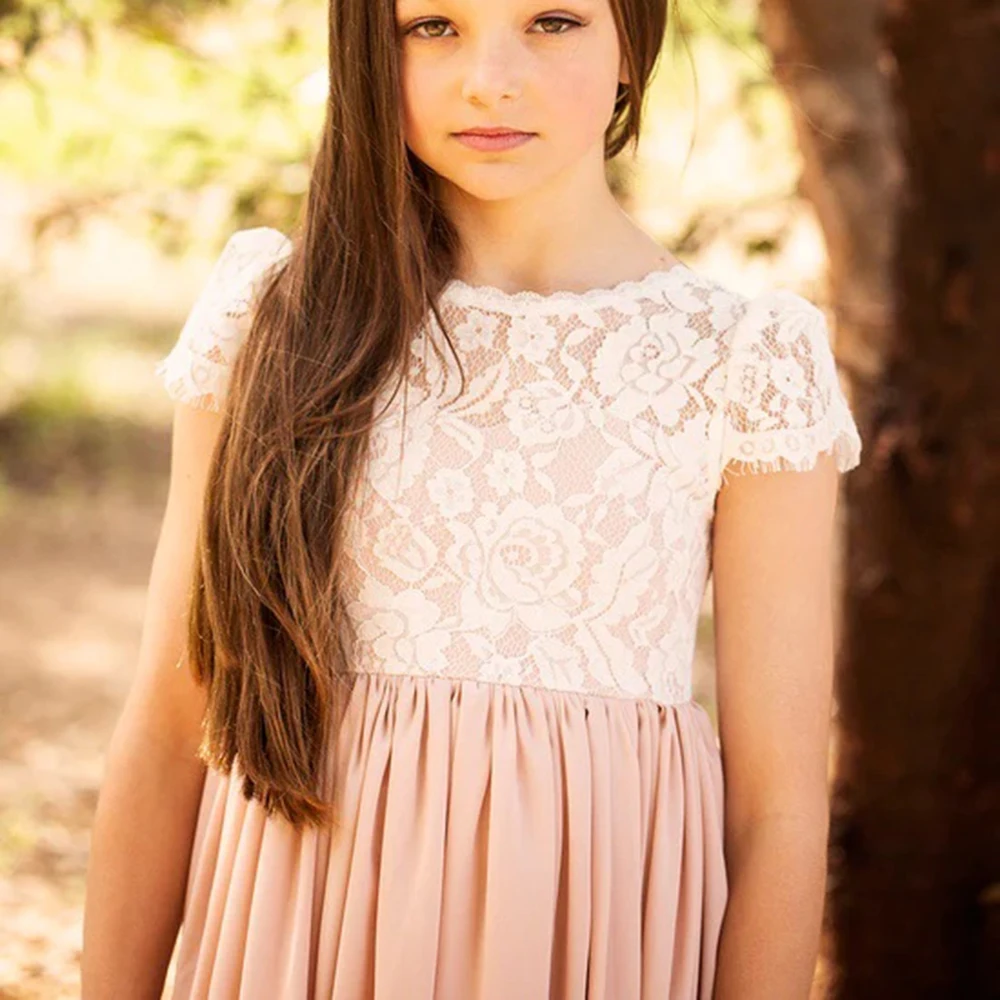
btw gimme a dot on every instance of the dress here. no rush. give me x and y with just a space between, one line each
533 802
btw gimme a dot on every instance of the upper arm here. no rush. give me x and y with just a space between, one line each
165 702
773 618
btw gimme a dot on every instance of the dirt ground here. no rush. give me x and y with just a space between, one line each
74 591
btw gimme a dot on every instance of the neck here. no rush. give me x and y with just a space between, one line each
568 234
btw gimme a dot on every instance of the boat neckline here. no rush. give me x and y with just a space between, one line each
463 293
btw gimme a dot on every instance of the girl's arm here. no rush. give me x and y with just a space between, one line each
773 611
144 825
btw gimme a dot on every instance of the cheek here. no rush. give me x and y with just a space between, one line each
419 98
578 88
580 102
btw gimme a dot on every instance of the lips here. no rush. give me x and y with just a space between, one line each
493 140
492 131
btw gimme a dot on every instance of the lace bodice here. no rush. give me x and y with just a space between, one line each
552 525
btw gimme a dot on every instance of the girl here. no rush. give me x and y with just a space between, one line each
454 464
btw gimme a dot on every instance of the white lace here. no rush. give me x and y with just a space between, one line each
196 371
552 526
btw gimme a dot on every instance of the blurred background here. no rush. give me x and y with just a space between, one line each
849 152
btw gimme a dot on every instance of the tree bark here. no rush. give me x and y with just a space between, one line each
914 249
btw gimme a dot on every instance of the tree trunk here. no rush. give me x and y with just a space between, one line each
914 903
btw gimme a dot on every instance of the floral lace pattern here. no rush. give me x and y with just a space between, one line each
552 525
196 370
782 403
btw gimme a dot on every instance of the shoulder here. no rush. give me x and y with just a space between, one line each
782 339
237 274
730 322
245 259
196 370
777 316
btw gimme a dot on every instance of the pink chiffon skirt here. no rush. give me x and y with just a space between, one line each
499 842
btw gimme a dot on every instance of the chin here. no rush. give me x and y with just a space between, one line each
494 192
494 182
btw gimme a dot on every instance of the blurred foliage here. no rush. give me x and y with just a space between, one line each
26 24
732 21
730 26
117 105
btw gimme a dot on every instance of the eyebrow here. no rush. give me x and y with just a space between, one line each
401 6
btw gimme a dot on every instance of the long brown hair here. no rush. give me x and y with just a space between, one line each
330 329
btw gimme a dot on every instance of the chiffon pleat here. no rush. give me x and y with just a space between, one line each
496 842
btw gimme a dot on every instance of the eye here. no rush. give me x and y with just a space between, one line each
563 24
558 21
413 29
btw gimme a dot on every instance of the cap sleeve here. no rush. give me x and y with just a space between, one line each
197 369
782 404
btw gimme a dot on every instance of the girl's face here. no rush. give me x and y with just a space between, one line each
548 69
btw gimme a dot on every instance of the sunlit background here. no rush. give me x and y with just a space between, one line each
134 138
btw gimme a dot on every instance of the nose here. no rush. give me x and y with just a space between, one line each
493 72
